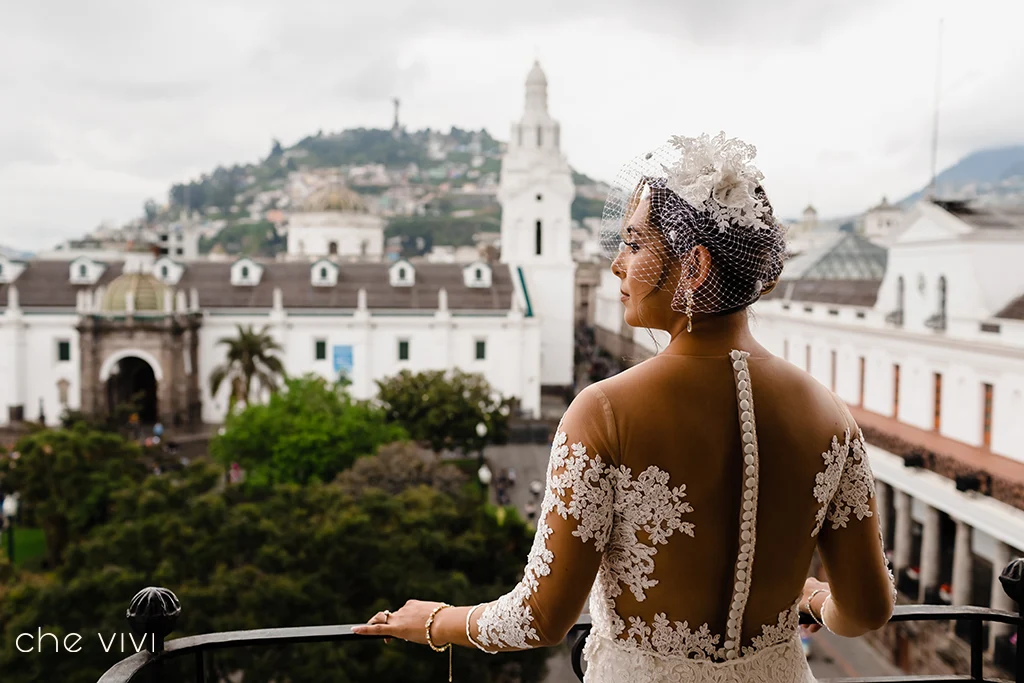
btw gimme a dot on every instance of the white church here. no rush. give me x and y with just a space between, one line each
85 334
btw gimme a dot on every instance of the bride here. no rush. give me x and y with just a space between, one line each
686 496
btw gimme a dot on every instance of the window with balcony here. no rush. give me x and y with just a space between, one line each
986 423
938 321
896 316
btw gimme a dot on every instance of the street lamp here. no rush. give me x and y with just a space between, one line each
485 476
483 471
10 512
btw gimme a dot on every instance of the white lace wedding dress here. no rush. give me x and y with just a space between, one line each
692 533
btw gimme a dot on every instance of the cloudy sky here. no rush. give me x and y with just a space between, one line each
107 102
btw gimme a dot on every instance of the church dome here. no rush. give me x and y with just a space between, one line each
147 291
334 198
536 75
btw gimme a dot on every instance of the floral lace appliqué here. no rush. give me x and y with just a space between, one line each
773 634
846 486
856 487
580 487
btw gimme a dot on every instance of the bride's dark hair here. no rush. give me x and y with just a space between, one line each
746 263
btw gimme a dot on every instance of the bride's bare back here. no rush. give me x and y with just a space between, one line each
695 490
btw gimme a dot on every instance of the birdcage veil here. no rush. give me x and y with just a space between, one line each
688 192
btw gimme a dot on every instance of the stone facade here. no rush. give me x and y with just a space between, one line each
169 344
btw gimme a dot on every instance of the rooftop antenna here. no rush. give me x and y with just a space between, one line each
933 185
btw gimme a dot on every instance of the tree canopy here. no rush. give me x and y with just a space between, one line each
286 556
312 430
444 409
66 479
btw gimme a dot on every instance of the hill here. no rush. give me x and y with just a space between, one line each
415 179
996 175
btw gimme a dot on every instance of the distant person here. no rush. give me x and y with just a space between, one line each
664 480
158 430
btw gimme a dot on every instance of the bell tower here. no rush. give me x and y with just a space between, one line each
536 194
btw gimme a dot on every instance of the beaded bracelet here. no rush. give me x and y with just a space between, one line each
430 642
823 604
817 620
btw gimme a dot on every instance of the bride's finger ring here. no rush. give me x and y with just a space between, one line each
387 613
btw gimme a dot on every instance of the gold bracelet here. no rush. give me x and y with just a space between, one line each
430 641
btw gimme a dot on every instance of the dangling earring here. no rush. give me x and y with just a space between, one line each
688 294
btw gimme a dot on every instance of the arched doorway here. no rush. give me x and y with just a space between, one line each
132 388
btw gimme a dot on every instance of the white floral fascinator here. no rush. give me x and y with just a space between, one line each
696 191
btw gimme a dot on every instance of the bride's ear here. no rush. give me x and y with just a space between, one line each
697 266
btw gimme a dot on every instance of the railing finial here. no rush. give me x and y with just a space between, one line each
1012 579
154 612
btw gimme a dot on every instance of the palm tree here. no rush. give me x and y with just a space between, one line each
250 358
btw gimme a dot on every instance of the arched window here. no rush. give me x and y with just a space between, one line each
942 299
82 270
537 239
900 294
401 273
323 272
245 272
163 271
479 274
332 248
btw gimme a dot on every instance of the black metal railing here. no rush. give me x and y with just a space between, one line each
154 612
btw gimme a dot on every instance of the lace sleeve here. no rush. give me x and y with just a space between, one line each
573 529
850 542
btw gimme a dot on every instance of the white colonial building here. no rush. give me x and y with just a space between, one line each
924 340
334 221
85 335
536 194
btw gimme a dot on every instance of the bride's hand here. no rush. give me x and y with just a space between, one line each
811 585
407 623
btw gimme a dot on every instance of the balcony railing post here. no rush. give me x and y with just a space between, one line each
977 631
1012 580
200 668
